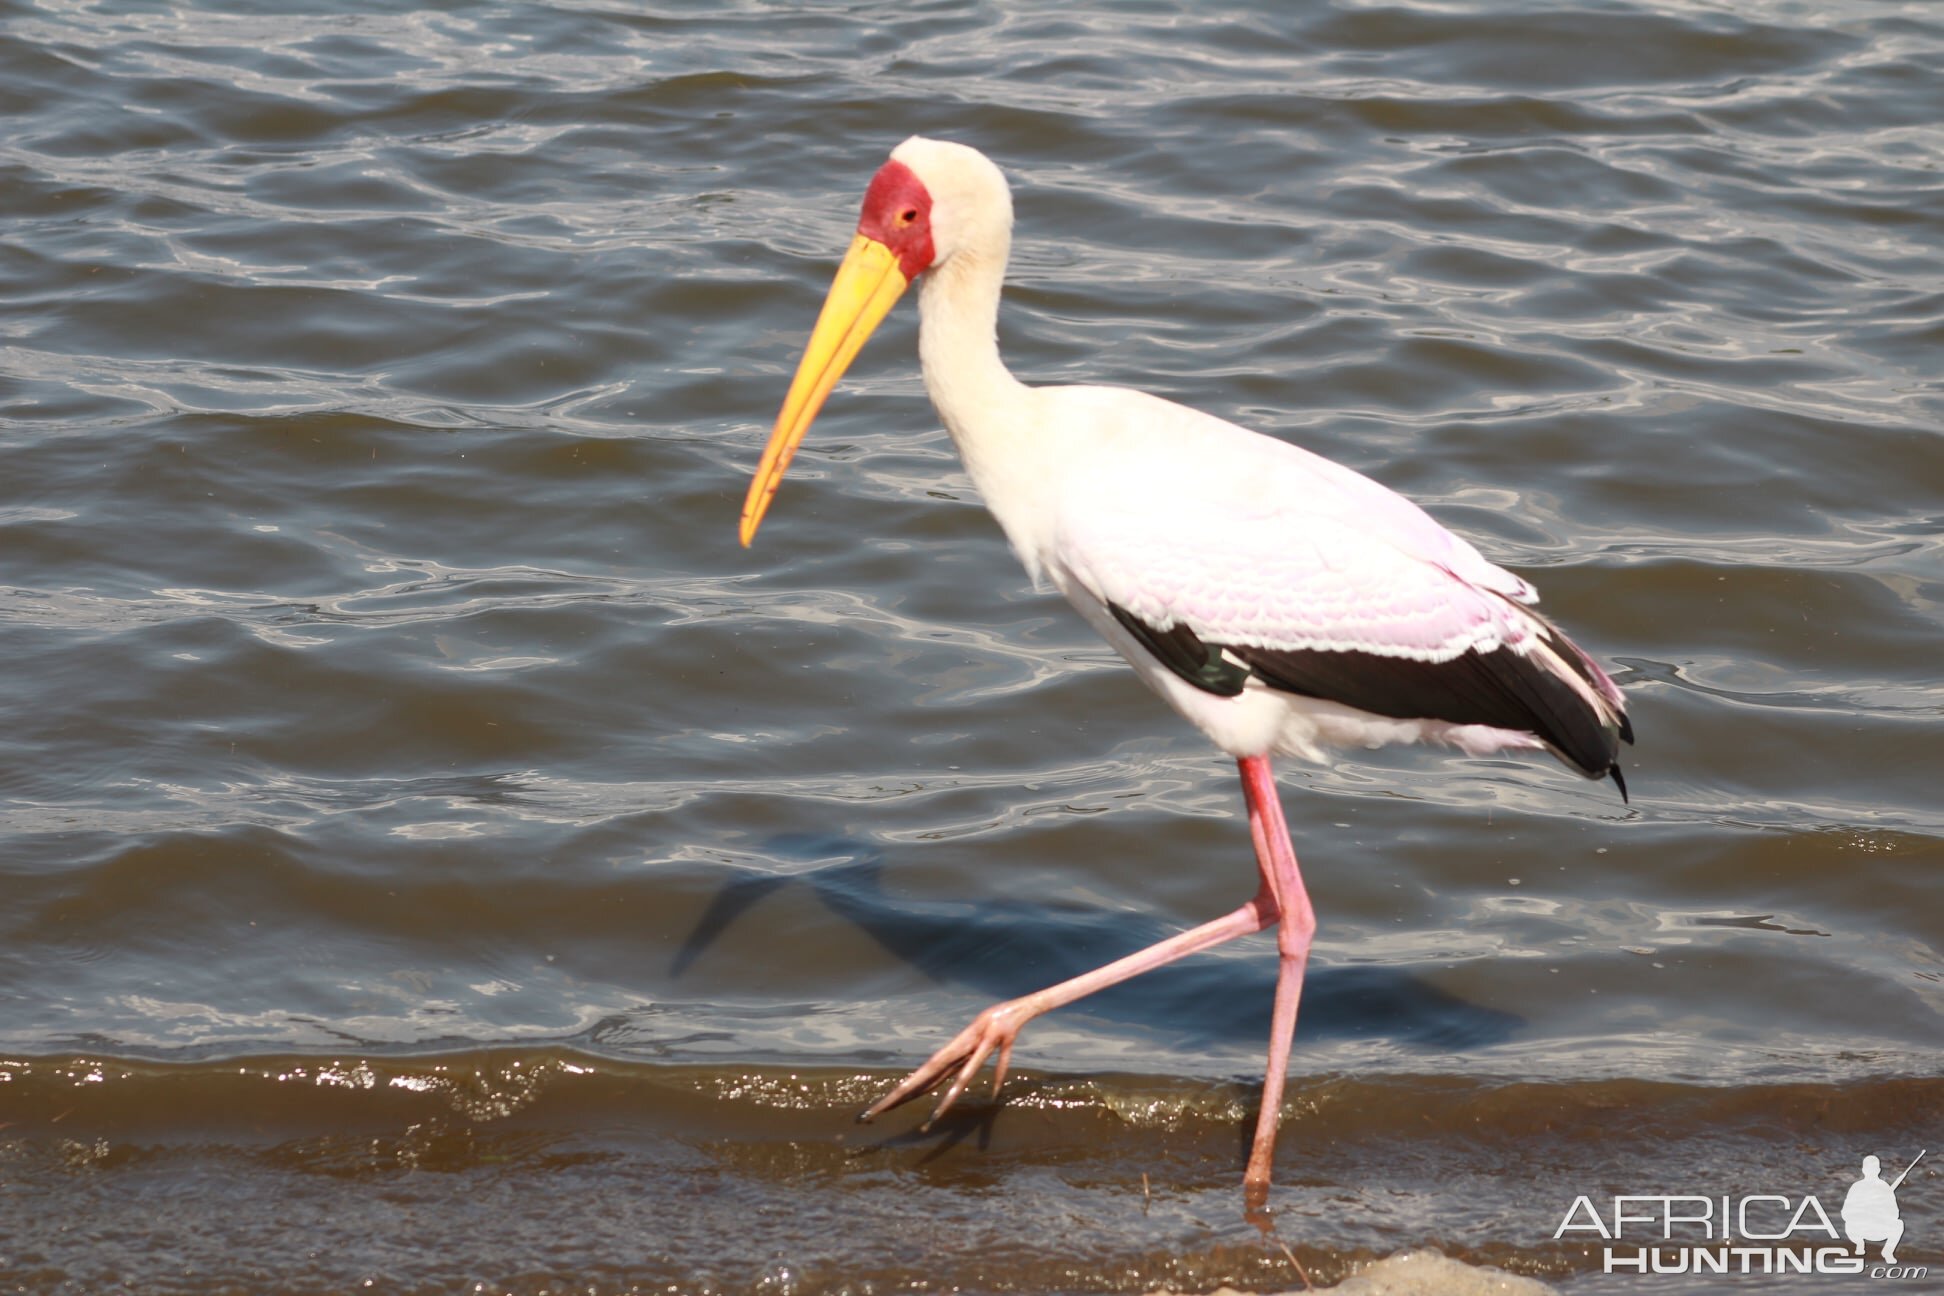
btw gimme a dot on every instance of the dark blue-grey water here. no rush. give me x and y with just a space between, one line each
435 857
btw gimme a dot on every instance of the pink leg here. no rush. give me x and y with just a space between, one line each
1281 892
997 1026
1277 860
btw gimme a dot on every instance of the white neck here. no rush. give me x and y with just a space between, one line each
981 404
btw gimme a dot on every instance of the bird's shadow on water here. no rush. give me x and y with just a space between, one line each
1008 948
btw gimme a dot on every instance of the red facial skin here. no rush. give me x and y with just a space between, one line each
897 213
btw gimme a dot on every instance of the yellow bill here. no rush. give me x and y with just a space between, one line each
868 284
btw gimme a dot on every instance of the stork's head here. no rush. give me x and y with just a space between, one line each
954 198
932 202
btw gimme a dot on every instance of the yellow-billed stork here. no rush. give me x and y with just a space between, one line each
1284 604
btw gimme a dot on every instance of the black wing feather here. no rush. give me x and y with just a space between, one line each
1182 651
1500 688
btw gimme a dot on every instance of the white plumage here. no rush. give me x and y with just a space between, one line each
1280 602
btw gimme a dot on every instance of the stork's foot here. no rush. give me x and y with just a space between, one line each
991 1031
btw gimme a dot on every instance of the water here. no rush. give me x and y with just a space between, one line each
434 856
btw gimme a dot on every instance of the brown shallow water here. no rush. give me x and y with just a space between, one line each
434 857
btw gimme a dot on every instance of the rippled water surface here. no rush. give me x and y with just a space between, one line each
433 855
